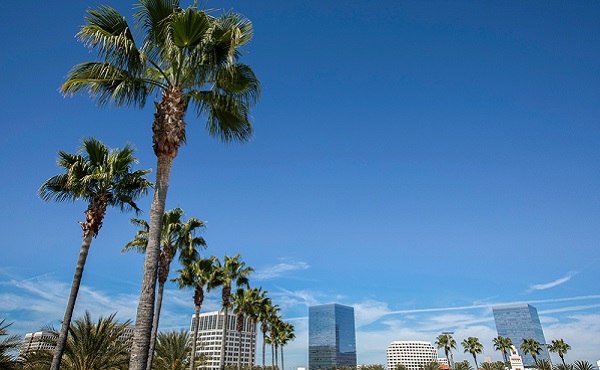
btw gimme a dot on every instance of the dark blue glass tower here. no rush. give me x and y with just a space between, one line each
331 337
518 322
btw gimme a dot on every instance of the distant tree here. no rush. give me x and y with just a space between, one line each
561 347
372 367
473 346
400 367
431 366
7 346
532 347
498 365
583 365
446 342
503 345
463 365
543 364
102 178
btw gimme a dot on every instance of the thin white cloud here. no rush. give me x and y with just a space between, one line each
280 269
551 284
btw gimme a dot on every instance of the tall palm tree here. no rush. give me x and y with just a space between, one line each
232 272
256 299
285 335
561 347
197 274
103 178
243 301
265 310
275 325
102 345
446 342
177 235
503 344
532 347
8 345
172 350
188 58
473 346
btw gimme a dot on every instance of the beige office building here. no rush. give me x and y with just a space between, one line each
412 354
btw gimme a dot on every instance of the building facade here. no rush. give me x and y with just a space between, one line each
210 335
331 337
519 322
41 340
412 354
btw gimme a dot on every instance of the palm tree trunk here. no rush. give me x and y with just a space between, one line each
64 331
145 310
194 336
264 350
282 366
252 341
475 358
239 365
159 297
224 338
273 356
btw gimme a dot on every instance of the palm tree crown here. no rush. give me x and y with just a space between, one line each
503 344
532 347
446 342
561 347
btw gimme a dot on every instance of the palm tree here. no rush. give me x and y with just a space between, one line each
561 347
103 178
176 235
498 365
431 366
544 364
503 345
473 346
8 345
463 365
285 335
583 365
243 307
275 324
532 347
266 311
90 346
256 299
446 342
197 274
172 350
188 57
231 272
402 367
564 367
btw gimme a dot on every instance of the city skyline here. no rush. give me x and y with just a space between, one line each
418 161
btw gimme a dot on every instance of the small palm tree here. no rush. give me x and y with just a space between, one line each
498 365
197 274
103 345
544 364
561 347
177 235
473 346
463 365
583 365
231 272
532 347
402 367
103 178
564 367
190 59
7 346
446 342
431 366
503 345
172 350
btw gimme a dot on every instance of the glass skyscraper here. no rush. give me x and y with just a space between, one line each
519 322
331 337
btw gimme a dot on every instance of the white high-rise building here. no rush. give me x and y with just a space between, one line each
412 354
41 340
208 343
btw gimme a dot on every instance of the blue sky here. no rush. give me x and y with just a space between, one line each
421 161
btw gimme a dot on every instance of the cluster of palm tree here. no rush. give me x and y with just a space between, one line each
185 57
503 344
